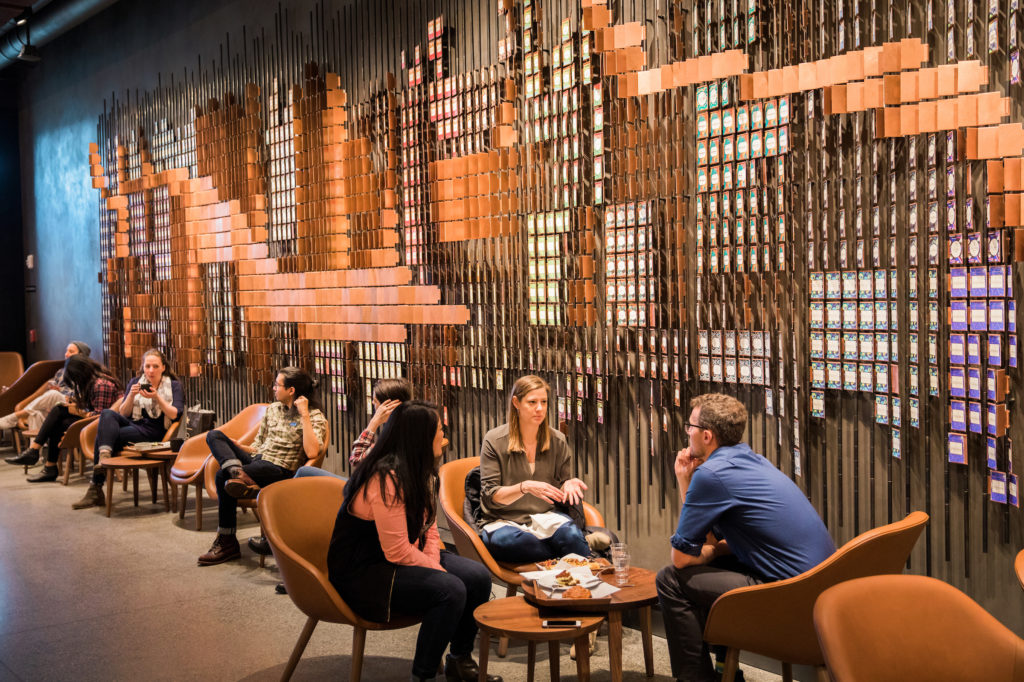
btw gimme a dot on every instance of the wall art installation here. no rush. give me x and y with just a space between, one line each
816 206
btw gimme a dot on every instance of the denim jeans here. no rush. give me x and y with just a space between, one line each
445 602
114 430
516 546
227 452
306 471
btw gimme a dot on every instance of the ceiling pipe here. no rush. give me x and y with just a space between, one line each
50 22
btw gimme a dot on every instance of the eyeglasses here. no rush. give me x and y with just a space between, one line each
276 385
695 426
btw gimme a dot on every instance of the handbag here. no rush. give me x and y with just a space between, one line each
199 421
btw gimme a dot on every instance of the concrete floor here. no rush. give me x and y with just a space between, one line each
84 597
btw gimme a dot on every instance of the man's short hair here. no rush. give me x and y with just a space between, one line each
722 415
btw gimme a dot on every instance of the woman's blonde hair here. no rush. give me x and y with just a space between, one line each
524 385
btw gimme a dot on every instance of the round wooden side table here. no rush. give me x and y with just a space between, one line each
514 618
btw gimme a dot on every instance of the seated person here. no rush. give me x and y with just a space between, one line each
150 404
54 392
385 554
525 471
387 395
94 389
292 431
742 522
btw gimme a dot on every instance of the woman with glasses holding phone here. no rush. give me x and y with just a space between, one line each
291 433
150 404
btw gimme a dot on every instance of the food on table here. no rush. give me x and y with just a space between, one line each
577 592
566 579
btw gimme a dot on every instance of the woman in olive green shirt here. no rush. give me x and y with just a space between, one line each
525 469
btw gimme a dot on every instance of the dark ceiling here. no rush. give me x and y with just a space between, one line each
9 9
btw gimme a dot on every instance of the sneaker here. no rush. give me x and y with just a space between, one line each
241 490
260 545
225 548
93 498
46 475
27 458
599 540
280 588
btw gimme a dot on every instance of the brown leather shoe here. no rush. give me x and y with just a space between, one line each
241 490
225 548
93 498
464 669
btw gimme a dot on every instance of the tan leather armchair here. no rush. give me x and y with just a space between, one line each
1018 565
300 542
70 445
190 464
774 619
467 541
24 386
911 627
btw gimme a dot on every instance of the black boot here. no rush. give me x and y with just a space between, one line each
27 458
49 473
464 669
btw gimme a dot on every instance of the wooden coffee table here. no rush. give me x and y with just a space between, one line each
640 593
513 617
153 462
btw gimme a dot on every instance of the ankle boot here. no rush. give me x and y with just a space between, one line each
93 498
27 458
464 669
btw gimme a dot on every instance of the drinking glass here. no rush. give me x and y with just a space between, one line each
621 563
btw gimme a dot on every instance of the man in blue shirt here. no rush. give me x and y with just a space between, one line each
743 522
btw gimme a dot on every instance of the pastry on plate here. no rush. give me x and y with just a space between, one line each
566 579
576 592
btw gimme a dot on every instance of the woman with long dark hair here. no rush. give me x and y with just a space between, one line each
291 433
385 556
525 470
93 389
150 404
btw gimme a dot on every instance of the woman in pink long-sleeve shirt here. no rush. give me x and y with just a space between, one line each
385 556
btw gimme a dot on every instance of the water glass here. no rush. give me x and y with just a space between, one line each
621 563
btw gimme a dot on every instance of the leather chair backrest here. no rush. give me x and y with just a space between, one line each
911 627
452 497
11 367
298 519
787 633
87 438
26 383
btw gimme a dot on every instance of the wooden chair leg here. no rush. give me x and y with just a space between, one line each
151 474
300 646
199 506
358 645
182 500
787 672
81 464
110 491
167 499
510 591
135 485
823 675
68 458
732 664
645 633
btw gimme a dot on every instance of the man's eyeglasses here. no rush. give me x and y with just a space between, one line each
695 426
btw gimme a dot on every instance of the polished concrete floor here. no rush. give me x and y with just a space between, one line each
84 597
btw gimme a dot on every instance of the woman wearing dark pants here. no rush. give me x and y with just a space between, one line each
292 432
93 389
385 555
152 402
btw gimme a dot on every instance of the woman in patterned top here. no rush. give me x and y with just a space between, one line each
93 389
292 432
150 404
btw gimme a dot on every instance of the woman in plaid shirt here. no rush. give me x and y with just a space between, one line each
94 389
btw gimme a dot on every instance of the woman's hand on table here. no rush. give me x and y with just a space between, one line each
572 491
543 490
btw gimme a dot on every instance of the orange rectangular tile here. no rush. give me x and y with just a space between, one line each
946 116
1013 174
927 117
855 96
966 111
947 74
775 85
807 76
874 93
790 80
909 90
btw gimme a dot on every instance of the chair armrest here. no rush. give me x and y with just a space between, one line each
469 545
592 515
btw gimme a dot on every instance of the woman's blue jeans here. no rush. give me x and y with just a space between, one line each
515 546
